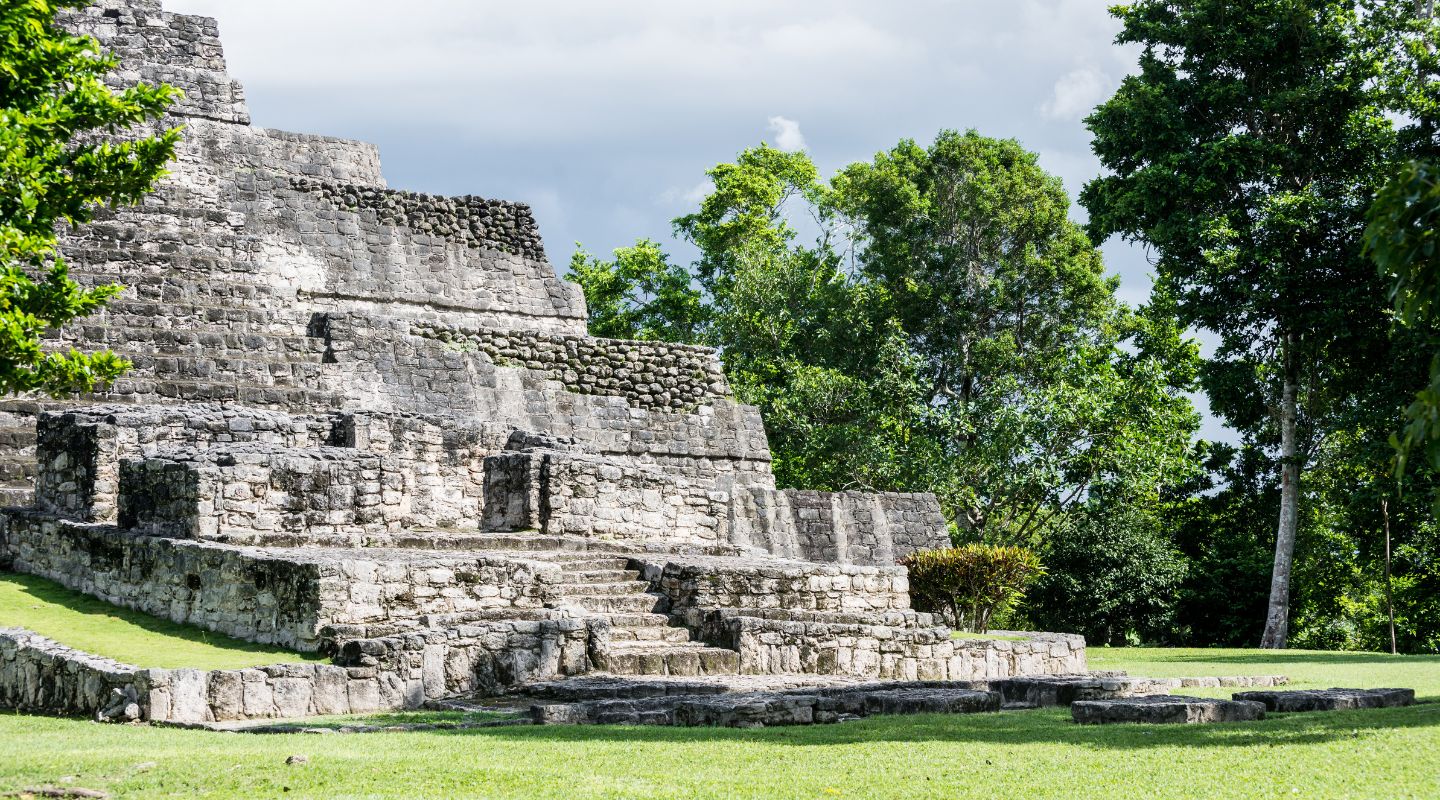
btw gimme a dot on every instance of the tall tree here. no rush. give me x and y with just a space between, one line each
946 329
1244 151
1039 385
63 150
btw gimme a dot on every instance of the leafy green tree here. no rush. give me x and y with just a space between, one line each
1111 575
1402 238
1039 386
1002 375
640 295
62 152
834 381
1244 152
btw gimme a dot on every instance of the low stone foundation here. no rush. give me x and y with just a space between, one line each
42 676
696 584
393 674
268 595
907 647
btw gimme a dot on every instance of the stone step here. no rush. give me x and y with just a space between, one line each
17 470
636 646
601 575
623 604
649 633
616 589
621 620
593 563
135 388
671 660
16 497
207 343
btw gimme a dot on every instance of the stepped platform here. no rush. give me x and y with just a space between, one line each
370 423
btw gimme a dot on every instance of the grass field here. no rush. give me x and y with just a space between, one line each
1391 754
82 622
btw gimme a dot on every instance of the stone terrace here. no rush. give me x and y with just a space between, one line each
370 422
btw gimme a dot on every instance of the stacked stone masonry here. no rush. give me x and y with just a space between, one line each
369 422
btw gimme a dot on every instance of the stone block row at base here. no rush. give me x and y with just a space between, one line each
1244 707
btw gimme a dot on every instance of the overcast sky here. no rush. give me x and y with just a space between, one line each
604 116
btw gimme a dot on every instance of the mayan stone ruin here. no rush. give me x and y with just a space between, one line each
369 423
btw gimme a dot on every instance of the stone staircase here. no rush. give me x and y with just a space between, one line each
642 641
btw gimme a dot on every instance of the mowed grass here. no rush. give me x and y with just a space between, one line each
1391 753
131 637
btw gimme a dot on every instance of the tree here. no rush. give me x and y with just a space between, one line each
947 329
639 295
1038 385
62 151
1244 152
1111 575
1403 240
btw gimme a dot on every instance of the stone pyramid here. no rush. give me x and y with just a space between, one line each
370 422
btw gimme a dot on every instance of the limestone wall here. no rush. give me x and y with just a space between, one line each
81 449
904 647
647 374
379 368
41 676
441 462
697 584
839 527
249 493
246 594
155 46
392 674
563 494
269 595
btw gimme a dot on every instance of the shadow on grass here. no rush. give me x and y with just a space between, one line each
1281 657
1050 726
47 592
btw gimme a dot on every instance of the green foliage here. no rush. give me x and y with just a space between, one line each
1221 526
1402 239
972 583
1245 151
947 329
639 295
62 152
1038 385
1111 575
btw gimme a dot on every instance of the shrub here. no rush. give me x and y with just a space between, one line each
971 583
1113 577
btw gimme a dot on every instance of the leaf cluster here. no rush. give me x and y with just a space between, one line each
67 145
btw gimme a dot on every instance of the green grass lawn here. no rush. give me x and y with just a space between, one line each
1391 753
82 622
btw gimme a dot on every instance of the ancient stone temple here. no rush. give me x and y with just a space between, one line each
370 423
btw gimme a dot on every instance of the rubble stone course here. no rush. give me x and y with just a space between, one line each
1165 710
369 422
1330 699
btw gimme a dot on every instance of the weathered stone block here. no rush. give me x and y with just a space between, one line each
1175 709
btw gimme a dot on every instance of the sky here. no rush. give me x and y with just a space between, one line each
604 116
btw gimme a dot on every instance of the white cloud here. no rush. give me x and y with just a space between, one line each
787 134
688 197
1076 93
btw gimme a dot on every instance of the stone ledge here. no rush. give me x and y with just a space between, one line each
1165 710
1330 699
766 709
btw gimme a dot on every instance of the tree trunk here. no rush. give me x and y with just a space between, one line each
1277 618
1389 598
